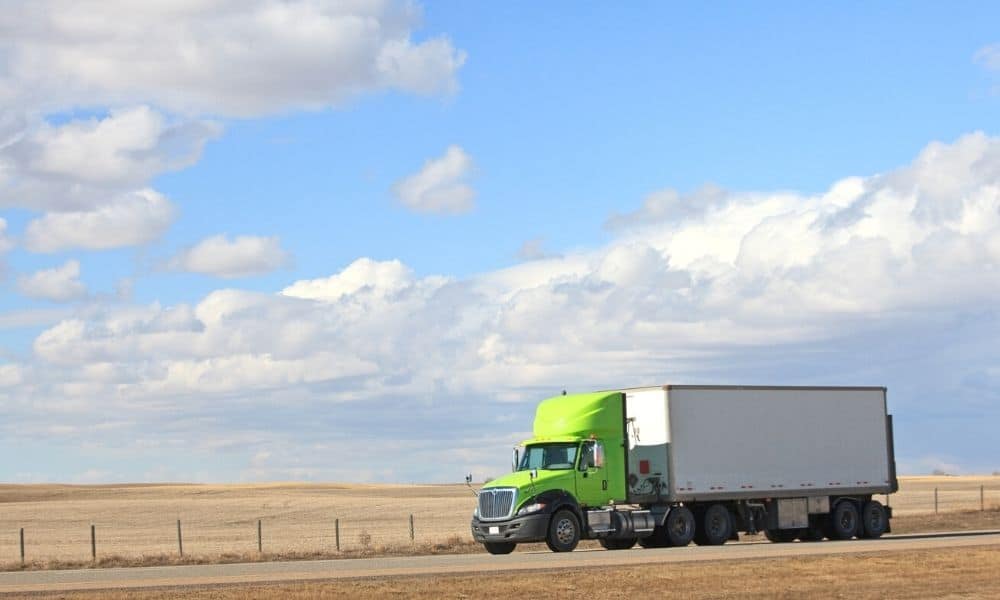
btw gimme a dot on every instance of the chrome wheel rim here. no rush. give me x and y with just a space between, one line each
565 531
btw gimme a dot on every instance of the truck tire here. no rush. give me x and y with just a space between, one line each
844 521
564 532
499 547
716 526
781 536
679 526
618 544
874 519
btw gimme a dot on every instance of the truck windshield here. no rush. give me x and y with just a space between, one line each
551 457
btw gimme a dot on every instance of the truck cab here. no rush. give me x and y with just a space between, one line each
573 464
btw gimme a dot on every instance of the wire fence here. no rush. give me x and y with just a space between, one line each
947 498
83 541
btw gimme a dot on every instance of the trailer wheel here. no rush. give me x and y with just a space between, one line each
844 521
679 526
499 547
618 544
874 519
564 532
716 527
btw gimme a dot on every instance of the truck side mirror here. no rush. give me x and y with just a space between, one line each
515 460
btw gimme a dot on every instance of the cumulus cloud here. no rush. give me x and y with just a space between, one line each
228 57
60 284
241 256
887 279
89 176
129 219
440 185
84 163
363 275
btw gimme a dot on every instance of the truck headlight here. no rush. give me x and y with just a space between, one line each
534 507
475 512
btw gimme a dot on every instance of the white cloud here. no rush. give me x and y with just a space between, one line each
363 274
988 56
130 219
85 162
887 279
242 256
227 57
60 284
440 186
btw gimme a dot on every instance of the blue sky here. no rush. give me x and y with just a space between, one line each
482 205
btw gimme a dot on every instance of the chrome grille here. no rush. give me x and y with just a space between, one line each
496 504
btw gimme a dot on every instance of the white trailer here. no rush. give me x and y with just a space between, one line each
799 450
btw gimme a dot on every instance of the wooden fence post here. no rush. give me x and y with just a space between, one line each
411 529
336 529
260 543
180 542
935 500
93 543
982 501
22 546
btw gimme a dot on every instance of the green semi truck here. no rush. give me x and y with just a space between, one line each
667 465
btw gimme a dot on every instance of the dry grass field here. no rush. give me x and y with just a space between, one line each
949 573
135 521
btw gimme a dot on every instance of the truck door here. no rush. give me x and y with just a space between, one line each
591 475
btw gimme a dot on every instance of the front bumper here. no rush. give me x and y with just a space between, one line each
530 528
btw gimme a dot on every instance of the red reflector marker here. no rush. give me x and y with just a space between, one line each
644 467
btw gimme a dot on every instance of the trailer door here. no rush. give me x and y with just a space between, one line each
648 444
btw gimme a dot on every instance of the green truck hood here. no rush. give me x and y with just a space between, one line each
563 479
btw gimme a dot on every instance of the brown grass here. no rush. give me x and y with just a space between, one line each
945 573
452 545
136 524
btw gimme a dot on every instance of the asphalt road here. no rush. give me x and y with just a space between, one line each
193 575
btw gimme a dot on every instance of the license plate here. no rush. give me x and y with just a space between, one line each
494 531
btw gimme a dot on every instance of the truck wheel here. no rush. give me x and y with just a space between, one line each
679 526
844 521
564 532
499 547
781 536
716 526
874 519
618 544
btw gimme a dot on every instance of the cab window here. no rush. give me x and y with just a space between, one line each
591 455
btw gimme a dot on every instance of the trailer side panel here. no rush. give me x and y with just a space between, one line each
780 442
